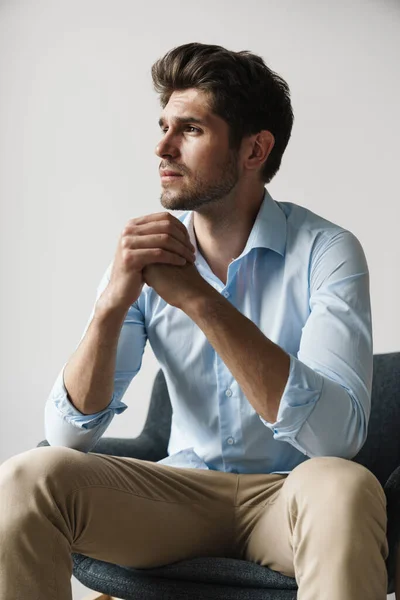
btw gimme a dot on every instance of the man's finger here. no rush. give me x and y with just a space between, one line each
161 216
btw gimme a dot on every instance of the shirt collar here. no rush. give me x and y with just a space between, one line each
269 229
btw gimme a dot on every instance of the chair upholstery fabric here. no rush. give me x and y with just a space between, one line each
226 578
212 578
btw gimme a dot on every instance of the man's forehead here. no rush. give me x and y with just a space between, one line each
188 102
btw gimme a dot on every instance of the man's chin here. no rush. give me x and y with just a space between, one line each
191 200
173 201
169 201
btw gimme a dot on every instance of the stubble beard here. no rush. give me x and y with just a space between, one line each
201 191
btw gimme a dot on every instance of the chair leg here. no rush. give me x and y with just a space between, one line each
98 596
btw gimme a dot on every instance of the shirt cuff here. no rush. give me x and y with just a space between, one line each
72 415
302 391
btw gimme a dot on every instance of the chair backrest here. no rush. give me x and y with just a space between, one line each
381 451
157 427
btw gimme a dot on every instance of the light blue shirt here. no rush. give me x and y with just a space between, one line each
304 282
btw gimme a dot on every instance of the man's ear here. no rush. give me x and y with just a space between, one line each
257 149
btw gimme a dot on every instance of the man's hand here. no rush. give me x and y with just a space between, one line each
155 238
177 285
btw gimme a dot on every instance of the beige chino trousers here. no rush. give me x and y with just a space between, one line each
324 523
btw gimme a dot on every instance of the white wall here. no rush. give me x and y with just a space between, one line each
78 123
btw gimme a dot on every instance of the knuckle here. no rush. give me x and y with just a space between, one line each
124 243
128 230
128 226
126 256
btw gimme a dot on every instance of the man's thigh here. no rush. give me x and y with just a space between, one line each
128 511
260 532
323 503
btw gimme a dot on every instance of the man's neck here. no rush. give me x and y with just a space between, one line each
222 230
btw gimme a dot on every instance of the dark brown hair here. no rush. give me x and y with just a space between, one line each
244 92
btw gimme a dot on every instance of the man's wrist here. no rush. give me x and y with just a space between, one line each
201 305
108 311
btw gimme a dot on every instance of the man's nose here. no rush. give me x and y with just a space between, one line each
167 146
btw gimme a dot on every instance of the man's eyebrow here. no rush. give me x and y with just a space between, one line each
184 120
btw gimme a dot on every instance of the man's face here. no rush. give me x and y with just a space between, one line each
197 166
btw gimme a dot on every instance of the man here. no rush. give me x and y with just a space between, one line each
259 315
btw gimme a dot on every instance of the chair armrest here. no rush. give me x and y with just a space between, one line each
392 491
142 447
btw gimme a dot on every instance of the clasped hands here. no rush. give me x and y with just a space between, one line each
156 250
177 285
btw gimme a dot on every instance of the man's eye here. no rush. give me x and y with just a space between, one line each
192 129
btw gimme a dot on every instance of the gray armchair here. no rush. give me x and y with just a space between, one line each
231 579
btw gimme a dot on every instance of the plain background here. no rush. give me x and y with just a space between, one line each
78 123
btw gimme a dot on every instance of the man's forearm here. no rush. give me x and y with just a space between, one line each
89 374
260 367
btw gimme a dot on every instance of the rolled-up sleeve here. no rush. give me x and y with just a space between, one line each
65 425
325 406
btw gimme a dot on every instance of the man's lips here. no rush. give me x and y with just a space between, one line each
168 176
168 173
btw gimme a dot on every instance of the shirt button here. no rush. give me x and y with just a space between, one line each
226 294
228 393
230 441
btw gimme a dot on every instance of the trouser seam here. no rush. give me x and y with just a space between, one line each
117 489
236 491
54 565
55 542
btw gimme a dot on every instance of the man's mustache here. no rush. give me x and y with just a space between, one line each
171 167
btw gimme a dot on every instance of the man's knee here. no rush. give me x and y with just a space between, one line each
336 481
40 468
